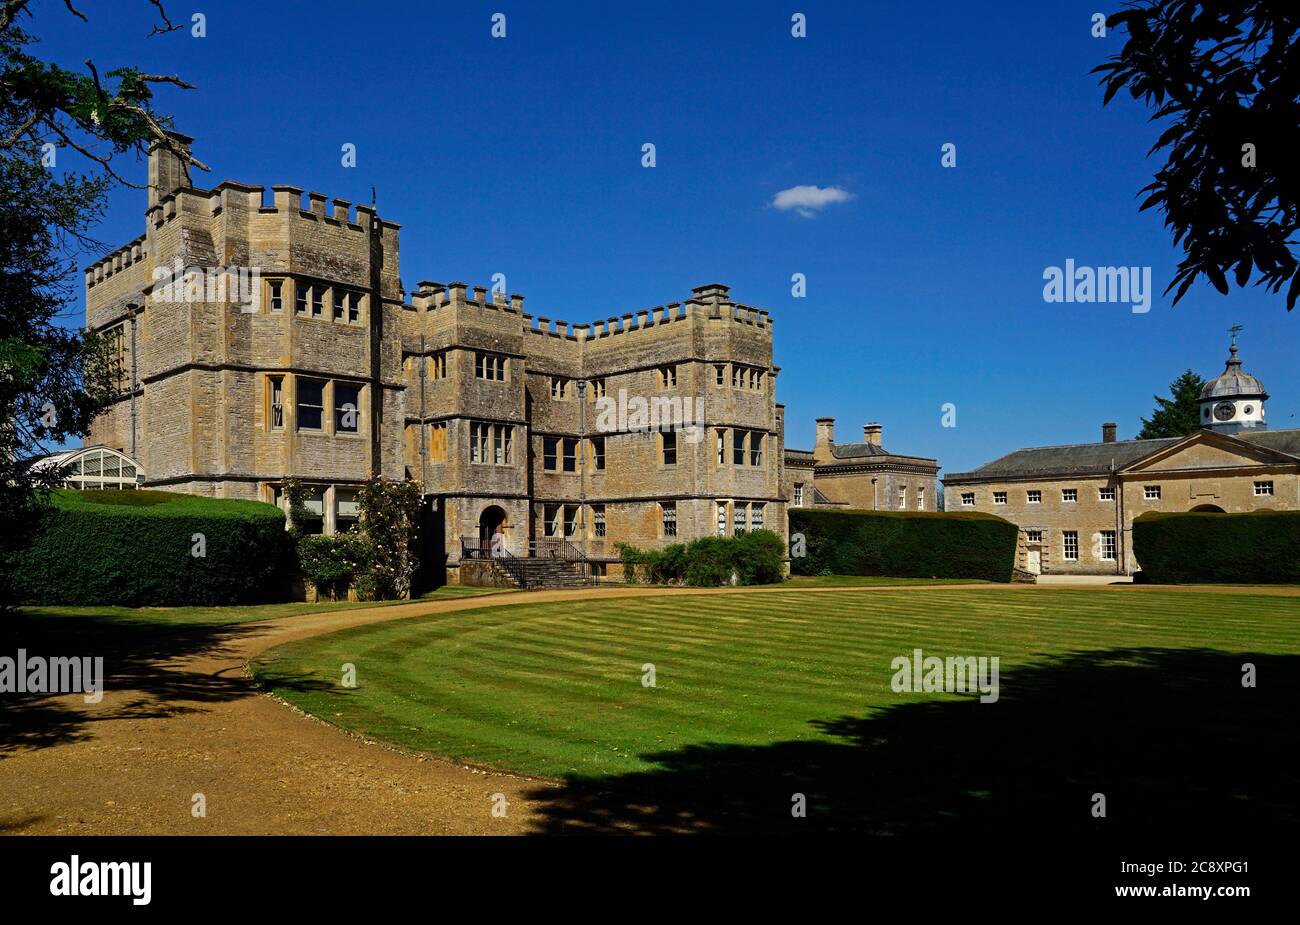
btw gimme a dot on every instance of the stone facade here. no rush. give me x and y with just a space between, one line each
1075 505
859 476
511 423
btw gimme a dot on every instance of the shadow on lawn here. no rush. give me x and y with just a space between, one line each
1171 738
141 661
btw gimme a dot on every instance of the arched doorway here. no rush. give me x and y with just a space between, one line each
491 522
1208 509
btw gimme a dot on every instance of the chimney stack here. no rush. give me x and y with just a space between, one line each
825 440
1108 433
167 172
871 433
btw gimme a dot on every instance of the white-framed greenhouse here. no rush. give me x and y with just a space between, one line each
95 468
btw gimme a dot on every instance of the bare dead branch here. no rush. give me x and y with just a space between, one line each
74 11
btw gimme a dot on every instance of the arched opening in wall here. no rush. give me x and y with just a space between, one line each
491 522
1208 509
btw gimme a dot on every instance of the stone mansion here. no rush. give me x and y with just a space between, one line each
330 374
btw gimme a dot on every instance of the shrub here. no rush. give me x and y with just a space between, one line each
1258 547
903 544
332 563
390 532
753 558
142 548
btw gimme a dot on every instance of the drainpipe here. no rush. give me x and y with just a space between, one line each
583 451
133 310
424 456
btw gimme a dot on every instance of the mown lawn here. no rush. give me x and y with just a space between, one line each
1133 693
33 626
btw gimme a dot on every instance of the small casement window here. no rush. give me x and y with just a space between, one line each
798 494
302 295
551 518
756 449
669 510
314 520
276 416
490 366
1151 492
311 404
347 408
597 389
478 437
755 378
756 513
317 301
920 498
1070 545
1034 536
570 520
669 439
598 520
722 446
438 365
738 518
999 497
1069 494
347 510
354 307
667 376
738 447
722 518
598 453
902 498
502 440
570 454
336 299
1105 494
1108 546
1034 496
720 374
550 453
559 388
1263 488
438 442
968 498
275 294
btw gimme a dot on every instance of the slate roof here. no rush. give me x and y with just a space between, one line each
1097 458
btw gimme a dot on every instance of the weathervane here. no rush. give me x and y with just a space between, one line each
1234 331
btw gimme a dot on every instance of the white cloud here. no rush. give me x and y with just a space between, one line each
808 200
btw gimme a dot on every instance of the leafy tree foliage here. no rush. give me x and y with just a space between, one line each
1179 415
54 379
1226 75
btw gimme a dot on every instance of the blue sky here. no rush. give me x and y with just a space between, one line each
522 156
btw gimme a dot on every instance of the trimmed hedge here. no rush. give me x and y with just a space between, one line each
1261 547
755 558
135 548
903 544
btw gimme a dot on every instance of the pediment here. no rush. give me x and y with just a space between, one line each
1208 450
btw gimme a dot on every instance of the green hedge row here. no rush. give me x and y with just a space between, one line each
902 544
139 549
753 558
1261 547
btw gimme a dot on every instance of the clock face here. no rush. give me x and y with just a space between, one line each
1225 410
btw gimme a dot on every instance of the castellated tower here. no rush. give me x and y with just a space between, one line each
260 341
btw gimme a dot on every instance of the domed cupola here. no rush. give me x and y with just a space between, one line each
1233 400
